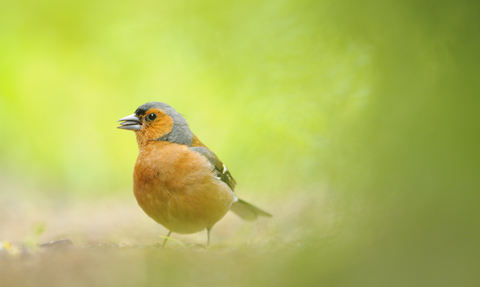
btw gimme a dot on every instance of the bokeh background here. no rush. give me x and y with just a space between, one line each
355 123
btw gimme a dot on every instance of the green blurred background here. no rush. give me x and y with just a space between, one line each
355 123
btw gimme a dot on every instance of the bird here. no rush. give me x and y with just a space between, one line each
177 180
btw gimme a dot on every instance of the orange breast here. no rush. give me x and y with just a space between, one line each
176 187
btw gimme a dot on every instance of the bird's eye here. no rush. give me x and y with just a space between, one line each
151 116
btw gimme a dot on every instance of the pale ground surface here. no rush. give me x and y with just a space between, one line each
116 244
117 219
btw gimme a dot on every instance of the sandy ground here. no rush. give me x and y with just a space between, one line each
113 243
117 219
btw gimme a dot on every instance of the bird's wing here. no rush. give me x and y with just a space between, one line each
218 167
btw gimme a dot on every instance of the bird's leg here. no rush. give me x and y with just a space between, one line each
165 240
209 230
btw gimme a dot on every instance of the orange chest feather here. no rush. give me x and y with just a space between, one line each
168 168
177 188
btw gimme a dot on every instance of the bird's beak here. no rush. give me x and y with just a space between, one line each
131 122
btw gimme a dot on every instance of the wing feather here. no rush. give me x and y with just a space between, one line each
219 168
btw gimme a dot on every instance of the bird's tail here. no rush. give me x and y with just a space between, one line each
247 211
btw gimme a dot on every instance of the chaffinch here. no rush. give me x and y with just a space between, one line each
177 180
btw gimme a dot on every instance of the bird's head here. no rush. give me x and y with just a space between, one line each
155 121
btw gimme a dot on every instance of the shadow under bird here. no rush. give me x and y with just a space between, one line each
177 180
